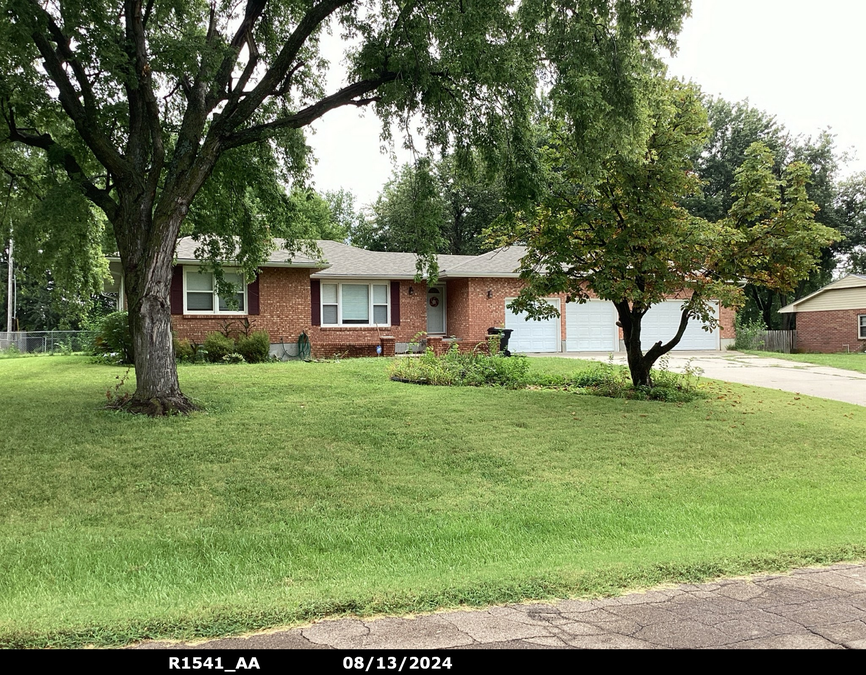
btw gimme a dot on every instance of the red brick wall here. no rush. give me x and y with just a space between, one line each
484 312
457 302
285 311
726 321
829 331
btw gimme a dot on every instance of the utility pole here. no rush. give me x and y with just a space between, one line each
10 294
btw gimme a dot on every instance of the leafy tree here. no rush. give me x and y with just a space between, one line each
407 215
446 206
851 213
344 214
627 238
43 304
735 126
159 97
317 215
59 243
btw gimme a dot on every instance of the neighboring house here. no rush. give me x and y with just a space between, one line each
355 300
833 318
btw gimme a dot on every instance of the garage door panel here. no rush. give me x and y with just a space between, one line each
662 321
530 335
591 327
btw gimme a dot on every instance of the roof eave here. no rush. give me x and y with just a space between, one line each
356 275
479 275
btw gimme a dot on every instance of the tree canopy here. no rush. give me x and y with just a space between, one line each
626 236
60 239
141 103
734 128
442 207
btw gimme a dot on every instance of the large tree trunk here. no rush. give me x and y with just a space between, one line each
157 391
639 363
147 269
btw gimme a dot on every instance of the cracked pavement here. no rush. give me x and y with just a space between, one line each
811 608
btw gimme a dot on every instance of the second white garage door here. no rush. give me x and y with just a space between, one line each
532 336
591 327
661 323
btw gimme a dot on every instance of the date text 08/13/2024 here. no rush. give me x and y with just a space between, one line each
357 663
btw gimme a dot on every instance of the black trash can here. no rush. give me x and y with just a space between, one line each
504 335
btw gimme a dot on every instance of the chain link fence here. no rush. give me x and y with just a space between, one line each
47 341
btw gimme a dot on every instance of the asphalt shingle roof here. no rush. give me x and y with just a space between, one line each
342 260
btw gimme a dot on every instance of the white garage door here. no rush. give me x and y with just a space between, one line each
661 323
591 327
530 335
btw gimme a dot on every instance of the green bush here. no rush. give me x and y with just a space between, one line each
183 350
468 370
748 333
11 351
113 340
218 346
600 379
256 348
605 379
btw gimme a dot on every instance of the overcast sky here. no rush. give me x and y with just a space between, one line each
801 60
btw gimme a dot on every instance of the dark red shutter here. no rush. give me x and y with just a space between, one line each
253 297
395 303
315 302
175 295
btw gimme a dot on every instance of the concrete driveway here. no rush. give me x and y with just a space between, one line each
761 371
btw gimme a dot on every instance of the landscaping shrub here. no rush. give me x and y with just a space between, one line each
606 379
11 351
113 340
600 379
183 350
256 348
469 370
218 346
748 333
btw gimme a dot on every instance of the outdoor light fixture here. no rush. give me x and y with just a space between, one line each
489 293
411 291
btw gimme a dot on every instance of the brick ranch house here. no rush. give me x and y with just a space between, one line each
833 318
354 300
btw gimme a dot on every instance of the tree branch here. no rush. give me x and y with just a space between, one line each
346 96
143 107
244 34
659 349
73 169
235 115
83 116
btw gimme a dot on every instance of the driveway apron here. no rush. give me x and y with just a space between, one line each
760 371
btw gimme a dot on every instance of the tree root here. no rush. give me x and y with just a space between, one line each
163 406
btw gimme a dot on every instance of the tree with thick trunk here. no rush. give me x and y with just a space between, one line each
623 235
139 102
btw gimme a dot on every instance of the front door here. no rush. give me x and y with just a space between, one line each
436 310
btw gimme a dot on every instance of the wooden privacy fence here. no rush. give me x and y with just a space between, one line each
777 341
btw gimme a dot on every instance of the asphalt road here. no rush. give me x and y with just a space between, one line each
811 608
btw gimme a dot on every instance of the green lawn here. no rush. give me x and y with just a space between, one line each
855 361
308 490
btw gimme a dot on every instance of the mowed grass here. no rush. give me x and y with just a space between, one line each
856 361
319 489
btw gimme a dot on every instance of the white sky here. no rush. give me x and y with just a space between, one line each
800 60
